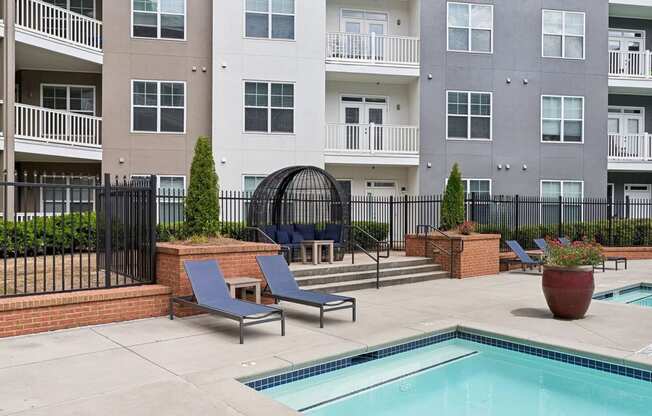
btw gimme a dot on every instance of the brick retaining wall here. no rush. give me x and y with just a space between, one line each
32 314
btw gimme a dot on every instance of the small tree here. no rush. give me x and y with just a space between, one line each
452 208
202 206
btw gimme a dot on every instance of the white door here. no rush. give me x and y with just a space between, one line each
353 118
626 126
381 188
363 121
376 119
360 25
639 200
625 41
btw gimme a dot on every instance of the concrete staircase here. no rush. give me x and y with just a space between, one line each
348 277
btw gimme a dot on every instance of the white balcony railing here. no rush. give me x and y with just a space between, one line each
630 147
54 126
372 139
372 49
625 64
59 23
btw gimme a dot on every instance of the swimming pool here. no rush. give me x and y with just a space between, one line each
459 373
640 295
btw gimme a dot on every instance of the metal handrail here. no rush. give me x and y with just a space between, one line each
270 240
377 243
451 253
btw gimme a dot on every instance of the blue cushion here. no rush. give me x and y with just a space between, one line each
320 234
297 238
270 230
282 237
333 232
288 228
306 230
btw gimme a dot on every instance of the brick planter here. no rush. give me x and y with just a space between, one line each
480 256
41 313
236 260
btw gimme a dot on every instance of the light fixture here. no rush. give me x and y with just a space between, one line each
500 166
429 165
194 69
526 81
121 160
223 161
524 167
508 80
429 76
508 167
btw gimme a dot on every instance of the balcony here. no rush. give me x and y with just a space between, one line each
630 72
49 132
630 151
57 29
372 144
372 54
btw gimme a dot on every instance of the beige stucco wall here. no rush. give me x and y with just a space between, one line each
126 59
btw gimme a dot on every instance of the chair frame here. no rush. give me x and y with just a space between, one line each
323 307
242 320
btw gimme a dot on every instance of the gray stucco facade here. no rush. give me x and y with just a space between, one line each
516 112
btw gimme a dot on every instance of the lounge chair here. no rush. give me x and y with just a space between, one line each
523 258
283 287
542 244
212 296
564 241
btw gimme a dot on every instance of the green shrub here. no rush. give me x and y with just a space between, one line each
63 233
202 205
452 207
178 231
378 230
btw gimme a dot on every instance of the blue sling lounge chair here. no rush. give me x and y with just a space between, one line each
283 287
523 258
212 296
542 244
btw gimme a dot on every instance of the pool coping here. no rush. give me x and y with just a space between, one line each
603 294
618 363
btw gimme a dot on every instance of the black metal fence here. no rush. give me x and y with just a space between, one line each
612 223
62 236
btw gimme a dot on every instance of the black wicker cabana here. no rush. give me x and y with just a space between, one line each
304 195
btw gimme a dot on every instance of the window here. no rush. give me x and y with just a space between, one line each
158 106
171 192
78 99
252 182
271 19
85 7
478 196
563 34
562 119
571 193
479 187
75 194
269 107
469 115
159 19
470 27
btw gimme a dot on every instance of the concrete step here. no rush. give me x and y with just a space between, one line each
366 274
371 283
349 268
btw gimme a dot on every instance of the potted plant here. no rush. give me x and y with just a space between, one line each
568 283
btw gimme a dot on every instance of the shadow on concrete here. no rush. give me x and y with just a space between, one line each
532 313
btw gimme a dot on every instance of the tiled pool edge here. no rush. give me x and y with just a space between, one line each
494 340
607 294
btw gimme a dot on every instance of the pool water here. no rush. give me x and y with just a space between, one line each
640 295
459 377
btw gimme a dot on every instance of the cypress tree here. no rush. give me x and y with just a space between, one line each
452 208
202 205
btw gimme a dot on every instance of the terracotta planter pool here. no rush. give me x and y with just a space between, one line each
568 291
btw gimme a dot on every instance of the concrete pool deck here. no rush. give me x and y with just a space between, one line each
188 366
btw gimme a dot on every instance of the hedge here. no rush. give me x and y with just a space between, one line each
624 232
378 230
62 233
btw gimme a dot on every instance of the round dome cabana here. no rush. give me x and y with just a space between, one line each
299 195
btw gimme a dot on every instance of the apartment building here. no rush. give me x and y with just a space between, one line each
102 86
542 97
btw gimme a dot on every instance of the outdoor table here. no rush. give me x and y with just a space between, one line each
243 283
316 250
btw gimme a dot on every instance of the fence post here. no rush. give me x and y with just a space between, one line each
108 229
518 218
405 217
560 229
391 221
472 207
610 218
152 226
627 207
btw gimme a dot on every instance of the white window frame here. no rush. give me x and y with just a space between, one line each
158 187
469 116
269 108
468 183
563 34
470 28
68 190
68 86
562 119
158 22
562 183
94 8
158 107
269 22
251 175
